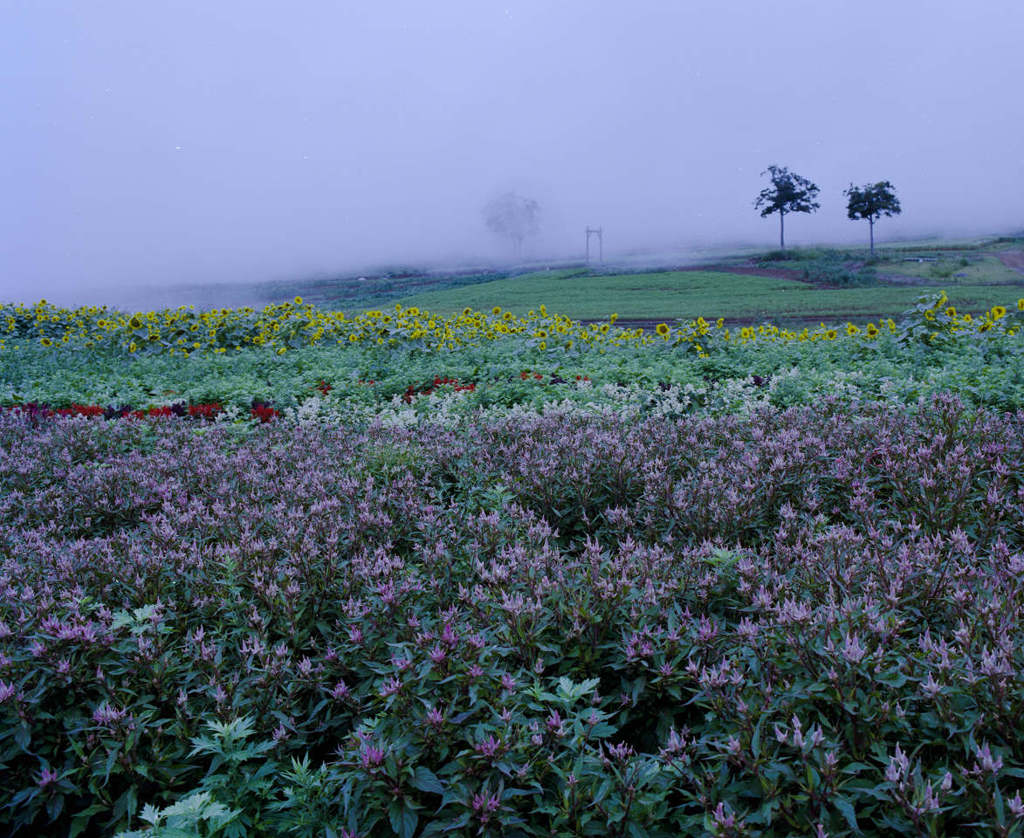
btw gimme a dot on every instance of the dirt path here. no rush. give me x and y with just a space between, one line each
1012 259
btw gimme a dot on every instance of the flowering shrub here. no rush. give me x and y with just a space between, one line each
356 383
802 621
295 324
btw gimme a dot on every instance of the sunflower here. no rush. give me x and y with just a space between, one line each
298 300
662 329
46 342
496 311
872 330
831 334
998 312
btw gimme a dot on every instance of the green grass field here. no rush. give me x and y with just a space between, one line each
686 294
980 269
969 270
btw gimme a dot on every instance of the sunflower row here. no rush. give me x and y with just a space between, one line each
294 324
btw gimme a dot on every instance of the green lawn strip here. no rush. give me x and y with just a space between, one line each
686 295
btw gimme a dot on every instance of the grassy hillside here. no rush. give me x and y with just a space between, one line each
800 285
686 294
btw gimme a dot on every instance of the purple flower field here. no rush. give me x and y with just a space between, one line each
804 622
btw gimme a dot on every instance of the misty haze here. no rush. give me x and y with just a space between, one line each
146 146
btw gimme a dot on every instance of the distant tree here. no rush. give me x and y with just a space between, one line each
514 216
872 201
788 193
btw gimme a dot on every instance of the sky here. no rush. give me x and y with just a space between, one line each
144 144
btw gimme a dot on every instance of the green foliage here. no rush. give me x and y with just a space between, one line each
369 381
759 589
789 192
872 201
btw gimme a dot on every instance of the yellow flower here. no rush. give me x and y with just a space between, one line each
46 342
720 322
496 311
852 330
615 317
929 314
662 329
831 334
1020 304
951 311
872 330
998 312
542 345
298 302
132 347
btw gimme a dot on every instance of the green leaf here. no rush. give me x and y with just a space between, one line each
426 780
403 818
846 808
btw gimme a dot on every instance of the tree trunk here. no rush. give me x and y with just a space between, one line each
871 227
782 230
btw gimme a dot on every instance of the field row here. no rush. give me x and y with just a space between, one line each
291 325
700 368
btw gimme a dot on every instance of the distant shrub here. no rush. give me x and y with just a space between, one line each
942 268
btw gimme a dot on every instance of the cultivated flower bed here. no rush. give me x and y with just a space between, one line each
800 621
700 368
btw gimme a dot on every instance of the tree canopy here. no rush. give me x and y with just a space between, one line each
871 202
789 192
